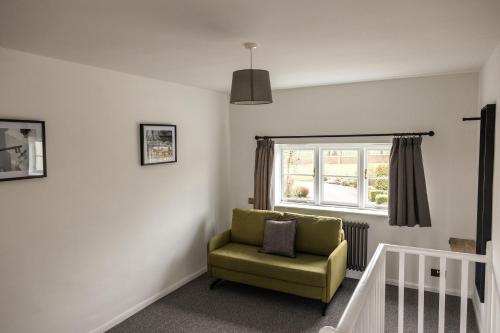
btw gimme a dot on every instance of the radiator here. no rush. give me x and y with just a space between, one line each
356 235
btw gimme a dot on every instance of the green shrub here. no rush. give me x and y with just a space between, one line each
373 194
382 170
347 182
381 184
381 199
301 192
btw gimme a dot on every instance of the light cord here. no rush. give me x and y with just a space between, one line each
251 58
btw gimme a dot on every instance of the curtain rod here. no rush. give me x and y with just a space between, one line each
258 137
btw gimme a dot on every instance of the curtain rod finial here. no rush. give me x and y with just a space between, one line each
431 133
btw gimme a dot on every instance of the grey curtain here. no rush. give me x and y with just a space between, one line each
264 160
408 204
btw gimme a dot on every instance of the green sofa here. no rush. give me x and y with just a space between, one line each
317 271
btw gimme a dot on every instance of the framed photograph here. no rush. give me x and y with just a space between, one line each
158 144
22 149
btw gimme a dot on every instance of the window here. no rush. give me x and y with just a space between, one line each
348 175
298 175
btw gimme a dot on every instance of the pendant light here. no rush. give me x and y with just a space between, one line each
251 86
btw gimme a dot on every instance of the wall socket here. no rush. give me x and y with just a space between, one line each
250 201
435 272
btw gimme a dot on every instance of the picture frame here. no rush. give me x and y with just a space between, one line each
23 149
158 143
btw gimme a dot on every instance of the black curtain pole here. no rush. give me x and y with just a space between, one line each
471 118
258 137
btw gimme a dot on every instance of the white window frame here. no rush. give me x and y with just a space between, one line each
297 174
362 148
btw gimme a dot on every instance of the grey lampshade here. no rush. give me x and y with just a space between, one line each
250 87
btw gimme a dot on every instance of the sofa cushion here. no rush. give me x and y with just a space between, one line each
305 269
316 234
248 225
279 238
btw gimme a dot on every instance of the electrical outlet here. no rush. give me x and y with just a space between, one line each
435 272
250 201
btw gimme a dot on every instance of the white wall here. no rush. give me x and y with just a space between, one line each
101 233
489 84
414 104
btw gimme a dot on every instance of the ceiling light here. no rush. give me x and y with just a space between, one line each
251 86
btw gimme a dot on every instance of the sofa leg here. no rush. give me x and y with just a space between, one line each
325 306
215 283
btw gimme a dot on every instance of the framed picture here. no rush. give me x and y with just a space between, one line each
158 144
22 149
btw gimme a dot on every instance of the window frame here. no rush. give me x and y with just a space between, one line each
318 200
282 175
324 202
367 178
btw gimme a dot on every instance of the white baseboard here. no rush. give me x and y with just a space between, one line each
412 285
353 274
138 307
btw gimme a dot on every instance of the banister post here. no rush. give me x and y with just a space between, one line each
486 324
382 292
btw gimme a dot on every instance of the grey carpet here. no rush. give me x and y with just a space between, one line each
233 307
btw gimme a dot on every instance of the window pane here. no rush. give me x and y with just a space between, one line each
298 188
340 162
298 161
343 190
378 192
378 162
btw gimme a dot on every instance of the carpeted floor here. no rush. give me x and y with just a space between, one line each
233 307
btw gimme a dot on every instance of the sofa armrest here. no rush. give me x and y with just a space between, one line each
216 242
336 269
219 240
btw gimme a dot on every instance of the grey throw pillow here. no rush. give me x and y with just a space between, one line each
279 237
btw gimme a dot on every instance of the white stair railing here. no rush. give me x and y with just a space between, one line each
491 297
365 311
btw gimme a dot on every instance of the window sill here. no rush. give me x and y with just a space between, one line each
346 210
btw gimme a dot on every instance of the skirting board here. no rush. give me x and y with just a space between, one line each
353 274
412 285
138 307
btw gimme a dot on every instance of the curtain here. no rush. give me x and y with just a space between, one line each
264 160
408 204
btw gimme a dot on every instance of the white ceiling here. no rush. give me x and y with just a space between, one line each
302 43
